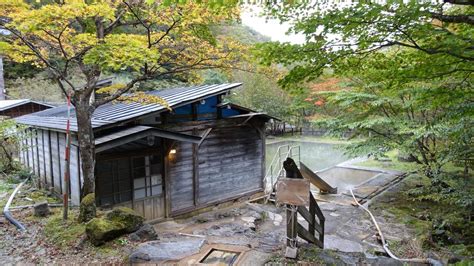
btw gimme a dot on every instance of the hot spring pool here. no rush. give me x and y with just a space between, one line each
317 156
323 158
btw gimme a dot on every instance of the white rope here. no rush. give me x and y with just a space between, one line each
385 244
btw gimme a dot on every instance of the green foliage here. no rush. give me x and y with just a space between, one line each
335 32
431 120
409 66
13 70
11 136
261 93
424 209
39 87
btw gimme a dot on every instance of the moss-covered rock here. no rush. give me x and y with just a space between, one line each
100 230
126 216
87 209
116 223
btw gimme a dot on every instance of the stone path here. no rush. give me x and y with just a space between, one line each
259 231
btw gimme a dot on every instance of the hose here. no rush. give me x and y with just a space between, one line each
6 211
385 244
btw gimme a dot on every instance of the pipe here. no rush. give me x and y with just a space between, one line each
385 244
6 211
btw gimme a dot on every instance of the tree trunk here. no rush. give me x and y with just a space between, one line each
87 152
86 144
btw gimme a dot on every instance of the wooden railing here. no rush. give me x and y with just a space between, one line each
314 230
315 219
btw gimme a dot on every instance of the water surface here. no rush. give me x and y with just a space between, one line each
315 155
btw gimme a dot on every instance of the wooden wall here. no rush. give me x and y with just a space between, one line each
180 173
23 109
43 152
228 164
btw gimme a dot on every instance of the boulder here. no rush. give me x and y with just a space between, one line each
100 230
116 223
87 209
131 220
145 233
166 250
41 209
408 158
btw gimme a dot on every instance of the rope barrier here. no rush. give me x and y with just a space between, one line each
385 244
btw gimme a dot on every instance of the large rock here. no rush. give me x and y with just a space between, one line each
171 249
87 209
145 233
131 220
41 209
100 230
117 222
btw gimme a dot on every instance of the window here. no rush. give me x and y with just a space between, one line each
118 180
114 181
147 178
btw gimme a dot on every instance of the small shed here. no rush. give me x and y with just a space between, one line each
161 163
15 108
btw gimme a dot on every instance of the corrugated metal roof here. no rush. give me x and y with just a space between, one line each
7 104
112 113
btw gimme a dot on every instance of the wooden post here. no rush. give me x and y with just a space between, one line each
195 172
312 215
291 232
67 161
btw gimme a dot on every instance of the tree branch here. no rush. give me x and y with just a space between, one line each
469 19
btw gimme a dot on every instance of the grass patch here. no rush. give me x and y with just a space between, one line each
437 217
6 189
63 233
391 162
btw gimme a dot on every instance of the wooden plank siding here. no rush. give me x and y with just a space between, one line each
180 171
74 168
62 148
55 161
47 158
34 148
29 152
229 163
40 150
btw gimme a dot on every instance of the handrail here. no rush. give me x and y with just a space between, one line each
291 151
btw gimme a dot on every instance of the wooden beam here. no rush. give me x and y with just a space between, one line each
291 225
195 174
310 219
316 180
204 136
152 132
167 145
303 233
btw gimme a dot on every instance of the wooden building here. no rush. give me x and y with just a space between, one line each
161 163
15 108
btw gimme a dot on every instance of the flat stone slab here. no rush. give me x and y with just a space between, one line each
166 250
337 243
254 257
